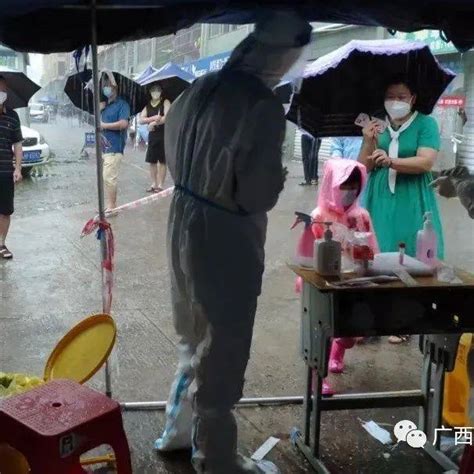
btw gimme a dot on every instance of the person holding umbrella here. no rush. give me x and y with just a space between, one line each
115 117
154 115
400 160
16 89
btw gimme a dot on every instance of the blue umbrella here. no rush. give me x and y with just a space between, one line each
171 78
60 25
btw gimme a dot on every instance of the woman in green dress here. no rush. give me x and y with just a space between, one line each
400 160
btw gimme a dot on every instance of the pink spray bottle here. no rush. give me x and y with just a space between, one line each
305 247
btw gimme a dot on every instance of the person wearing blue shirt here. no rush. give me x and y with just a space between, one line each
346 147
115 117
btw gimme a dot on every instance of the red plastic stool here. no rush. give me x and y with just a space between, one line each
53 424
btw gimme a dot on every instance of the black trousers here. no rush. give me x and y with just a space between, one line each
310 151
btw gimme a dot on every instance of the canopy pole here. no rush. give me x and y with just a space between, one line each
100 177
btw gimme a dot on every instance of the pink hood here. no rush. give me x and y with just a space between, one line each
337 171
330 207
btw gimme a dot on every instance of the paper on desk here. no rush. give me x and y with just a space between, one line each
447 274
265 448
377 432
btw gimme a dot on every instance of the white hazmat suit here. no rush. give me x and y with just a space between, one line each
223 140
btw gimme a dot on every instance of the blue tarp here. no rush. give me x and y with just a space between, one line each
51 25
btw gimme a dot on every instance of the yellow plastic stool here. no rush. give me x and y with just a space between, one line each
457 387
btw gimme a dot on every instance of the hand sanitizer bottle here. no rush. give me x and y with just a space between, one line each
327 254
427 243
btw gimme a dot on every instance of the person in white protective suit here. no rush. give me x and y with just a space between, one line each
223 141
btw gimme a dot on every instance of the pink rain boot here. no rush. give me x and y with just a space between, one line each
326 388
338 349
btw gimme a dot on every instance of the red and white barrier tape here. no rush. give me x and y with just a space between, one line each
103 226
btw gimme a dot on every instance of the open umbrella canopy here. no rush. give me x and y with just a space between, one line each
171 78
54 25
20 88
78 90
351 80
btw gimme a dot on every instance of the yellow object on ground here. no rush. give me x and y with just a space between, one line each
13 384
83 350
12 462
457 387
77 356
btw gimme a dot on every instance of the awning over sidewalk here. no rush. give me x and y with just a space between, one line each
52 25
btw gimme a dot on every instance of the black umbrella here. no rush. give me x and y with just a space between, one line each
171 78
351 80
284 91
20 88
78 90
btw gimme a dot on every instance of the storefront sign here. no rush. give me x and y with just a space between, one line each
451 101
209 64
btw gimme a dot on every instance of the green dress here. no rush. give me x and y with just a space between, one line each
398 217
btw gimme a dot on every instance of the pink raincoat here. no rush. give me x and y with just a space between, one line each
355 218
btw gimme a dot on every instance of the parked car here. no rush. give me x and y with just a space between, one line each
35 150
38 113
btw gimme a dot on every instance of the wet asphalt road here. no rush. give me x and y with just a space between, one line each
54 281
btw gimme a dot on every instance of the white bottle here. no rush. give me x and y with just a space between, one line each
327 254
427 243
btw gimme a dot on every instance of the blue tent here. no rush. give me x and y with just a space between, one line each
168 71
171 78
148 71
52 25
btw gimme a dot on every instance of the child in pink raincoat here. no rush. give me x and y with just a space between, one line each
338 201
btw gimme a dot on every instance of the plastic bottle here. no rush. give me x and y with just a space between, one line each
305 247
327 254
427 243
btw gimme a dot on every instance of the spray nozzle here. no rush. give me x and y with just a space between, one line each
428 216
328 231
302 217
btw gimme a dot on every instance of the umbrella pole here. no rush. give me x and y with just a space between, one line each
100 178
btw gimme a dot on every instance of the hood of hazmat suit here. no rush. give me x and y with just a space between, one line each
223 139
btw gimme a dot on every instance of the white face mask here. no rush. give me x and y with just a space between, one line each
348 197
3 97
155 95
397 109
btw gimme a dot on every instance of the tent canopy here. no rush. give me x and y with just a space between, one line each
148 71
46 26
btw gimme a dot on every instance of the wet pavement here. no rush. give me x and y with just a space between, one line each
54 281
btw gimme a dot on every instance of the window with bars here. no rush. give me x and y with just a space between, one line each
144 51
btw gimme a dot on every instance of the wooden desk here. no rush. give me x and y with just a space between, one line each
440 312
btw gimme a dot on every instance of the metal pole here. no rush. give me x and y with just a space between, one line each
244 402
100 179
